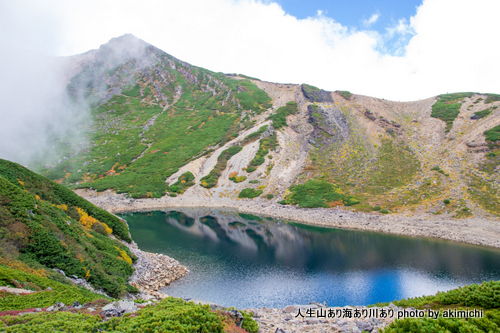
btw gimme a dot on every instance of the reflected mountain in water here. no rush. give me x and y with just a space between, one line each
280 262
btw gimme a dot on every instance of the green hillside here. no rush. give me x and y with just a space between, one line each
45 225
151 114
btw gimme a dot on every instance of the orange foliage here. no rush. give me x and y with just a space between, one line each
335 203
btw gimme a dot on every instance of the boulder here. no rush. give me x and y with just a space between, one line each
236 316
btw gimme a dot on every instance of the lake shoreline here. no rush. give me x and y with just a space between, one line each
476 231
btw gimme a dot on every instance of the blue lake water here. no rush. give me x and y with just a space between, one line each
248 261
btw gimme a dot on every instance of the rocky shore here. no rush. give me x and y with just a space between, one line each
316 318
476 230
154 271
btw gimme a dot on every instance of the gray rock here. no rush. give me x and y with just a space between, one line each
111 313
76 305
237 317
57 307
364 326
121 306
312 321
280 330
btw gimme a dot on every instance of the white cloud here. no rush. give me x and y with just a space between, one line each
449 45
374 18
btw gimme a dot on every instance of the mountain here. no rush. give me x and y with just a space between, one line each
159 126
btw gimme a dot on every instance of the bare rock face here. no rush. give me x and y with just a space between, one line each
320 95
329 120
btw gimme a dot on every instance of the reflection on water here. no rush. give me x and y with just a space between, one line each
248 261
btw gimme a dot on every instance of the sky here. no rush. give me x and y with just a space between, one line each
398 50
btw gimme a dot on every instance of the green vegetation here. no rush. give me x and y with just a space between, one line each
59 195
211 179
42 298
483 193
269 196
493 134
254 136
235 178
316 193
249 193
254 181
485 295
346 94
279 117
492 98
266 144
184 182
135 91
46 225
490 323
309 89
168 315
486 112
447 107
253 98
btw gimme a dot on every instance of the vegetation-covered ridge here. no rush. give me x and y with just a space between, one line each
45 225
447 107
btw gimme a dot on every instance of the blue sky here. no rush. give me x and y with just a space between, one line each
379 16
353 13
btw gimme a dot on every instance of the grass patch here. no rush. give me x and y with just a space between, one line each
483 193
344 93
185 181
254 136
279 117
493 134
266 144
492 98
447 107
235 178
211 179
61 292
486 112
249 193
314 193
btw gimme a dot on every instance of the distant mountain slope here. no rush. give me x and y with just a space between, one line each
45 225
160 126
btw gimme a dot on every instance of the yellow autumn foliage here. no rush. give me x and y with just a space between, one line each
124 255
88 221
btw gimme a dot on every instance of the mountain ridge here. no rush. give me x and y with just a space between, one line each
170 118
